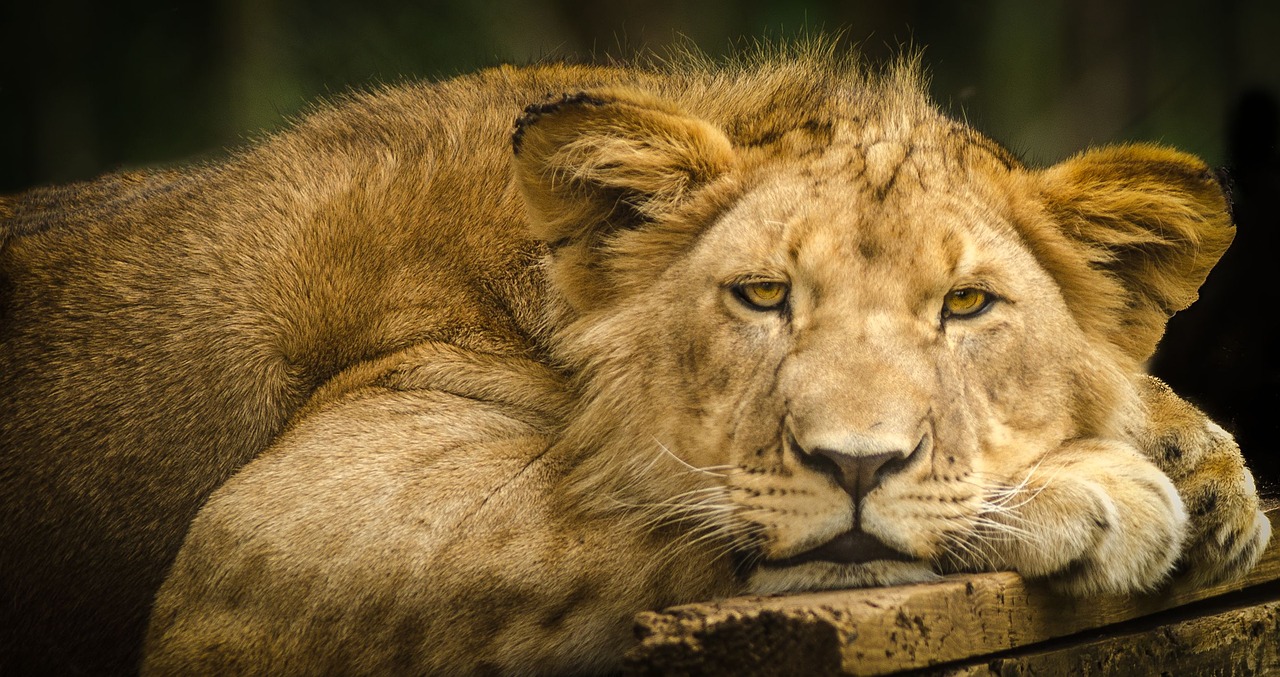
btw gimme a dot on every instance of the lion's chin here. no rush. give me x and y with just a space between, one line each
770 579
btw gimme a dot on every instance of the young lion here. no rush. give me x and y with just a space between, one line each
462 400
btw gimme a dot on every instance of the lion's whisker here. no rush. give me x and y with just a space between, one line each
684 462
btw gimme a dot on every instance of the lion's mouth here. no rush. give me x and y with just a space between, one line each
852 547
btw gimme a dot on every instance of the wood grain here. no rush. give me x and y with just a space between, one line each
883 630
1235 642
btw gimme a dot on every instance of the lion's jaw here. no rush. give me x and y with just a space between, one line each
756 425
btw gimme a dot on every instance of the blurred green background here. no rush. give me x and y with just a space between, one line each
88 86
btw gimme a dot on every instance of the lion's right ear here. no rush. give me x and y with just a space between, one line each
595 163
1153 220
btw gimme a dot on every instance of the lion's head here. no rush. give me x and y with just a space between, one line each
833 328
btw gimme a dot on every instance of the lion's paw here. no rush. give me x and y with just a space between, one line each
1227 531
1100 519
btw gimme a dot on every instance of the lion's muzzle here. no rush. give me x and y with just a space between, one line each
858 464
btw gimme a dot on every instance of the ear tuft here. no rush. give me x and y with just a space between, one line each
1154 219
534 111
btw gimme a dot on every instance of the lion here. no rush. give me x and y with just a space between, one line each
403 389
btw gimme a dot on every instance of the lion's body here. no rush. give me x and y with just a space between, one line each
160 339
470 404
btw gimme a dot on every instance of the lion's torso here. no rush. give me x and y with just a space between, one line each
177 323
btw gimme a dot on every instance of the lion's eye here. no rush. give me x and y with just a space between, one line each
965 303
762 295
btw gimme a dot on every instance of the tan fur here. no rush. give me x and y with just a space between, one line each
454 411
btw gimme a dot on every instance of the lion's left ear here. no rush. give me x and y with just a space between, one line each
1155 219
593 164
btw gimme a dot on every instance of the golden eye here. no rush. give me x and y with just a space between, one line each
762 295
965 302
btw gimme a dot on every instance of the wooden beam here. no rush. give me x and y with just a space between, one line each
877 631
1243 641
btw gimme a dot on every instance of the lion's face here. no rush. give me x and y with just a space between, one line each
843 355
867 374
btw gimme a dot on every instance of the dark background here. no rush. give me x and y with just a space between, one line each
88 86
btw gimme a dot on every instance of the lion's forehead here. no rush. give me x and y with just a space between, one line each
879 148
877 169
888 209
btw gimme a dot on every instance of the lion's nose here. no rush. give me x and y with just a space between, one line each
859 462
858 474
